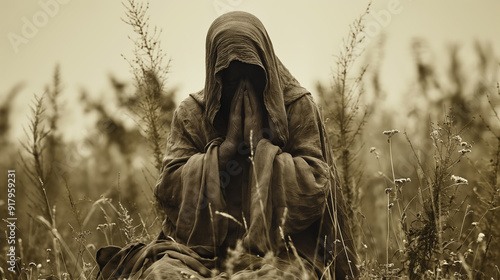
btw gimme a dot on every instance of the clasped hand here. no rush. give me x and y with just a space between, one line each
245 121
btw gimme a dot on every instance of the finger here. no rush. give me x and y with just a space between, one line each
248 106
236 110
237 102
234 101
248 119
252 96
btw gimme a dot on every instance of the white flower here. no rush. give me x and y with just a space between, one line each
464 151
402 181
391 132
480 237
459 180
457 138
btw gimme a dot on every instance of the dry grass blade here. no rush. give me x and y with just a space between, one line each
34 165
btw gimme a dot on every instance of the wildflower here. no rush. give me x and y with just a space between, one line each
434 134
463 144
390 205
388 190
459 180
365 246
390 133
373 150
457 138
480 237
402 181
475 224
464 151
101 226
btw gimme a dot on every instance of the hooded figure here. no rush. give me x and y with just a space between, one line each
248 183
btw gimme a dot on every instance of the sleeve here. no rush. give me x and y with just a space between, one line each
300 171
188 188
289 185
312 193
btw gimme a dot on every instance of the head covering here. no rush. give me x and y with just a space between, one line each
241 36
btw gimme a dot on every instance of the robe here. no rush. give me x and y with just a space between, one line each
277 213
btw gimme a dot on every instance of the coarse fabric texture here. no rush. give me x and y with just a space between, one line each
281 209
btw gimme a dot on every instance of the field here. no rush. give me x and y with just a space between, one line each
421 182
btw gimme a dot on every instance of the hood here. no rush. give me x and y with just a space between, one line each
241 36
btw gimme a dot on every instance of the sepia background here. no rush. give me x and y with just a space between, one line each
417 60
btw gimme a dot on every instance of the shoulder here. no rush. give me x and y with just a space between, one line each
191 107
304 112
304 104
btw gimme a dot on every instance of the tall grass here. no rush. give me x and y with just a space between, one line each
150 73
346 116
430 237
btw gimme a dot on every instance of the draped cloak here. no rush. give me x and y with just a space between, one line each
284 200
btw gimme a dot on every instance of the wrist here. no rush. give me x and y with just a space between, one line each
227 150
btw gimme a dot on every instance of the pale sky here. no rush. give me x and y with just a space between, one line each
88 37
